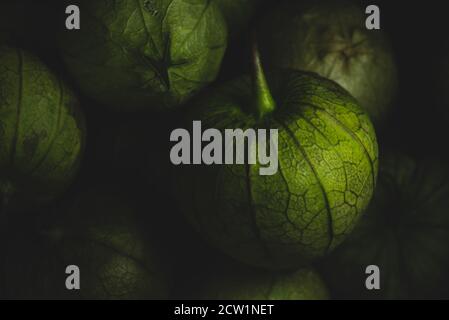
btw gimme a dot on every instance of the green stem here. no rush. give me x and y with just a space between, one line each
264 102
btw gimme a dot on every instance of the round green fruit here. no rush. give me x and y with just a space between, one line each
42 131
99 232
330 38
145 53
405 232
304 284
327 168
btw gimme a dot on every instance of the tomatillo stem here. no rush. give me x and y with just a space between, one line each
264 102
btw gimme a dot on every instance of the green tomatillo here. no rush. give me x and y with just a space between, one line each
100 233
331 39
42 132
304 284
145 54
327 168
405 233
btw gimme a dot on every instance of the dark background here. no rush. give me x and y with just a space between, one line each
131 151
